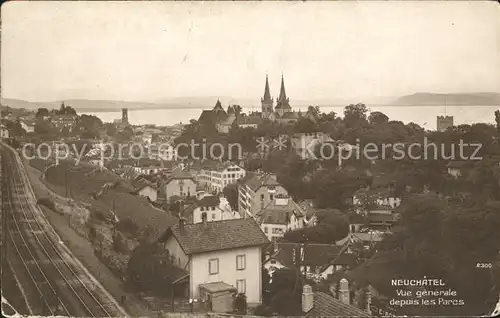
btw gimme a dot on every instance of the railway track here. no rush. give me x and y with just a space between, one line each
58 283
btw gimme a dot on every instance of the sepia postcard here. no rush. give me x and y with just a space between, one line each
250 158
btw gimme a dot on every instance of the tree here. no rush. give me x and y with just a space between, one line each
231 194
313 113
127 133
332 226
286 291
355 114
110 129
42 112
376 118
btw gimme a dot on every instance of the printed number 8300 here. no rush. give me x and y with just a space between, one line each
483 265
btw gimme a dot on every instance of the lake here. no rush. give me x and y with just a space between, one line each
424 116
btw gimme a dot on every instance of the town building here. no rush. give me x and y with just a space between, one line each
28 125
64 121
4 132
444 122
455 168
306 143
214 176
148 190
256 191
123 122
221 257
321 304
210 208
315 261
179 183
282 214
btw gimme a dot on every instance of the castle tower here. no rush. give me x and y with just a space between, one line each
444 122
125 116
267 101
283 102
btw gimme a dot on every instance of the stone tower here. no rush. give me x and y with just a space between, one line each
444 122
125 116
267 102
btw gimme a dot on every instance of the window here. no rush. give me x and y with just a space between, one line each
213 216
262 197
265 229
213 266
240 262
213 208
204 217
271 197
241 286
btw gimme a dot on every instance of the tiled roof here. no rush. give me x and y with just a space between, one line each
290 115
256 180
307 207
328 306
314 254
382 217
279 214
209 200
217 235
249 120
179 174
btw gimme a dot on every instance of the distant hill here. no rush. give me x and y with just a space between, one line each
449 99
86 105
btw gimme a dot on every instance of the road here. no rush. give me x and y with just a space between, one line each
53 281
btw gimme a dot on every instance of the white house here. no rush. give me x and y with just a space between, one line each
208 209
280 215
216 176
149 191
221 257
28 125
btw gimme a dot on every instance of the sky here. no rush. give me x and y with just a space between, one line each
149 51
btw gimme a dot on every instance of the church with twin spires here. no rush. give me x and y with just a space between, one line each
282 112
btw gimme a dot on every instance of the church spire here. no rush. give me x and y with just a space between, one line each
267 94
283 101
282 90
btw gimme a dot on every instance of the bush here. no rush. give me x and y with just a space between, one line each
240 304
263 310
46 202
127 227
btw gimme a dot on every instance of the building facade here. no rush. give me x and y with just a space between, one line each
180 184
215 176
444 122
227 253
256 191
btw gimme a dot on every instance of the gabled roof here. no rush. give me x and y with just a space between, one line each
209 200
249 120
177 175
255 180
328 306
290 115
289 254
279 214
217 235
307 207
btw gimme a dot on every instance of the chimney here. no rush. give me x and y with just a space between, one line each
181 224
344 291
307 299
